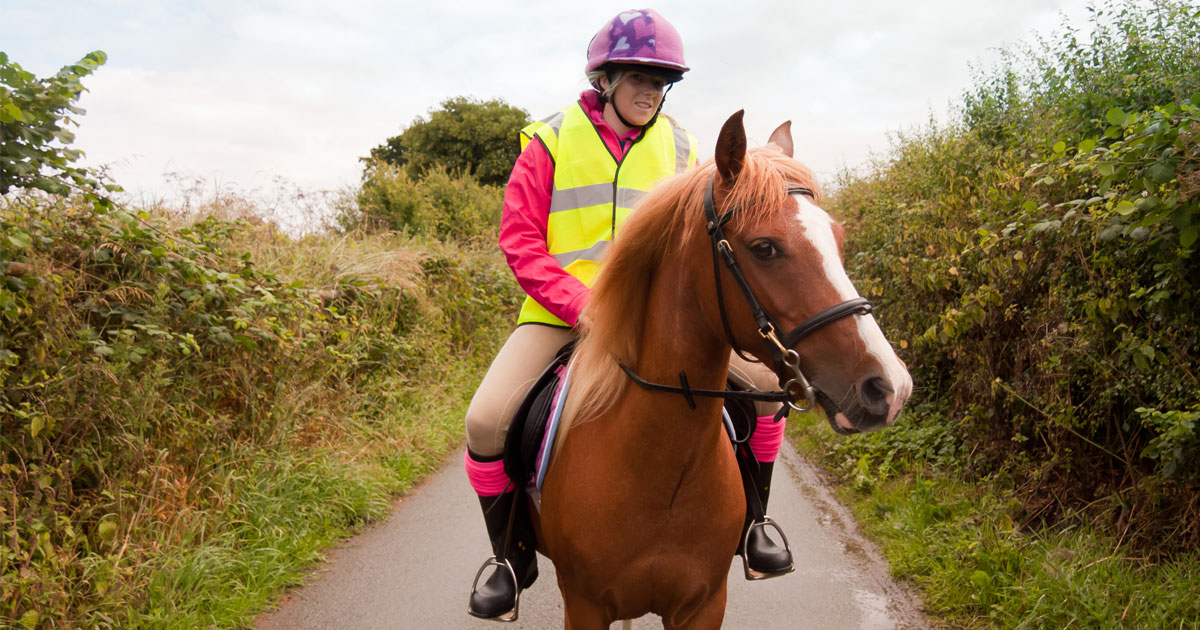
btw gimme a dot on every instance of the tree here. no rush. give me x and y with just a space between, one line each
34 116
477 138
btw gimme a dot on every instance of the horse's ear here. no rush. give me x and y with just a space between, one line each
782 138
731 147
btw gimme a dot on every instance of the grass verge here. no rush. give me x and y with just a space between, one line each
286 508
960 542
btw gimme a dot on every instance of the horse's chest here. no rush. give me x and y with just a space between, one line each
646 554
682 512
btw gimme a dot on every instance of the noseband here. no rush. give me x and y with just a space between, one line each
796 391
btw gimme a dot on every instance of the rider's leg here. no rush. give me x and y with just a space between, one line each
496 596
763 555
524 356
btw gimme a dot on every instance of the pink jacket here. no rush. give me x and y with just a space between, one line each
526 212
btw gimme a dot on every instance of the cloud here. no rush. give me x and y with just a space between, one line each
246 91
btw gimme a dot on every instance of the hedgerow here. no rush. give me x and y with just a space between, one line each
135 354
192 410
1036 258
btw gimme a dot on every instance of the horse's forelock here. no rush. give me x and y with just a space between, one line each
761 189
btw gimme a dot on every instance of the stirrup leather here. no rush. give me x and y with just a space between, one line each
507 617
752 574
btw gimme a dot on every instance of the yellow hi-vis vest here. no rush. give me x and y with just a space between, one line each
594 192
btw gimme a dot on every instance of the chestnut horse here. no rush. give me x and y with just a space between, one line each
642 510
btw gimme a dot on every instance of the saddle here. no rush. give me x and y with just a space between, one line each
530 423
527 431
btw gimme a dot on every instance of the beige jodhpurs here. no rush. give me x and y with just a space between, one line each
522 360
759 377
524 357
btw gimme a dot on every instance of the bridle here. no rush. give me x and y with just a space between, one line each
780 348
796 391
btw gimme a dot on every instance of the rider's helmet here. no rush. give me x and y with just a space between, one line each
638 37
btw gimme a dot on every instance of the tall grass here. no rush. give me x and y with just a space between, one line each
972 550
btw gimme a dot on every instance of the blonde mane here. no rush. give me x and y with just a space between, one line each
664 218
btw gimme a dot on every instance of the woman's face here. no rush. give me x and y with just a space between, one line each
638 96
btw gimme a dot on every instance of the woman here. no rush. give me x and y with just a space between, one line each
561 210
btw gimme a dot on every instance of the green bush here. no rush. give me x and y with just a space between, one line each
441 204
1037 259
387 200
190 413
465 135
460 208
34 118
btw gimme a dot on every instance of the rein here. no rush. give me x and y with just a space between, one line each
793 389
689 392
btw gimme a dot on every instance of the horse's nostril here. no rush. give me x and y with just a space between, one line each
874 393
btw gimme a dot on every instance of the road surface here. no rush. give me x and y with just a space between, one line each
415 569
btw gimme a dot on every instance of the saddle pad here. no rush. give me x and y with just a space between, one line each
560 399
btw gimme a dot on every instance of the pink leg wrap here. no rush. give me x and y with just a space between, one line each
487 478
767 437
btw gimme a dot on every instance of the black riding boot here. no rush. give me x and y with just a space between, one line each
496 598
763 557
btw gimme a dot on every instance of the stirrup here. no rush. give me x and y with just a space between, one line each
751 574
507 617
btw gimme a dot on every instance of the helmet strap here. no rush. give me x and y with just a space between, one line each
653 118
663 101
622 118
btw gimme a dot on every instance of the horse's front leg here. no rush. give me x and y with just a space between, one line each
583 614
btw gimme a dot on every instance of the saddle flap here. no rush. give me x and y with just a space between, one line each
528 427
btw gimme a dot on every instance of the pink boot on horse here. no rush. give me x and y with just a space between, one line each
643 506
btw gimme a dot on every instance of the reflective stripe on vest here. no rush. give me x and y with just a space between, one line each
593 192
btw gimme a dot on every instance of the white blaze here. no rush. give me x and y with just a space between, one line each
818 226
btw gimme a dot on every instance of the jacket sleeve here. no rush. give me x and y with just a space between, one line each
523 237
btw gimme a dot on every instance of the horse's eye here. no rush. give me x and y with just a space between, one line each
763 250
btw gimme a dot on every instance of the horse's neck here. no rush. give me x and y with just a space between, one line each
674 339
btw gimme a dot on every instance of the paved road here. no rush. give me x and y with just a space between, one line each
415 569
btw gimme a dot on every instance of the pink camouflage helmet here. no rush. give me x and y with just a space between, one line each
638 37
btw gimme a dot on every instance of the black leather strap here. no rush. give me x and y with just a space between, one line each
857 306
690 392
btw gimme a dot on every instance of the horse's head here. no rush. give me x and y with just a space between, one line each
788 252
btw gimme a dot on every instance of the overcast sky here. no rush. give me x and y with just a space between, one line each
242 92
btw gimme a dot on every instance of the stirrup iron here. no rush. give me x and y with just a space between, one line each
751 574
511 615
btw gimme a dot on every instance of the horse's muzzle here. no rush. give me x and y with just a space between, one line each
867 407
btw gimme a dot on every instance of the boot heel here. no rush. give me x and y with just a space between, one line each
514 558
